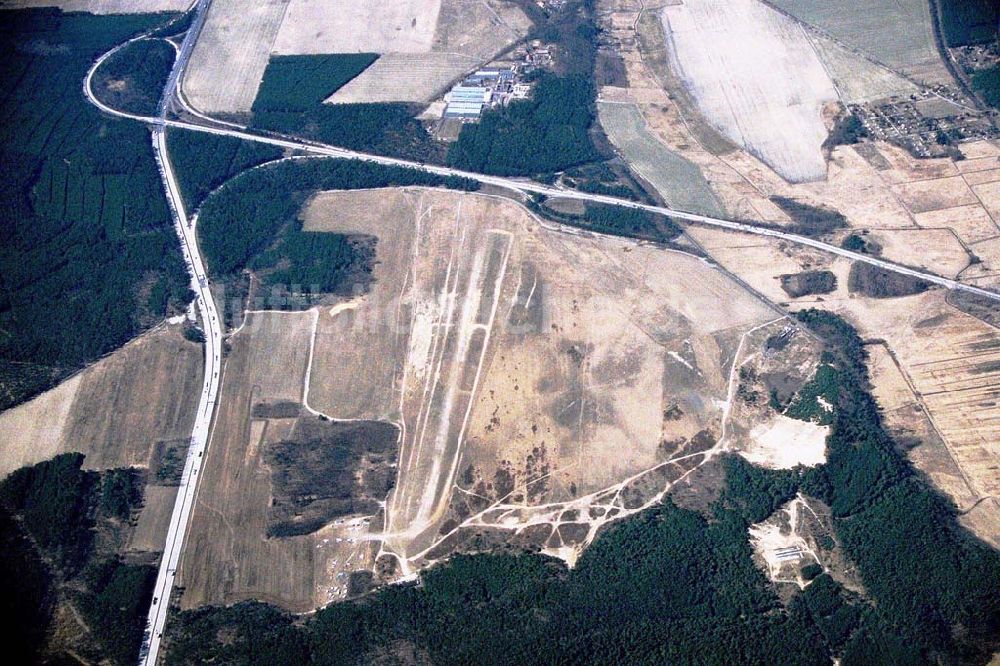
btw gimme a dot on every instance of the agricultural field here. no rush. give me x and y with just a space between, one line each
231 54
259 450
520 412
936 213
897 34
679 182
127 409
424 44
756 78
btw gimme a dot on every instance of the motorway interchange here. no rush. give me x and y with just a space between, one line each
187 232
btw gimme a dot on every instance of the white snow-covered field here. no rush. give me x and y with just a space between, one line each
756 77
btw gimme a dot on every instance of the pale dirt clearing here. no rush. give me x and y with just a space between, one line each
989 195
921 196
896 33
32 432
779 545
950 358
358 26
936 250
231 54
678 181
405 77
116 412
536 374
756 78
103 6
786 442
972 223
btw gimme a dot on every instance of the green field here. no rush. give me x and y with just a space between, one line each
88 255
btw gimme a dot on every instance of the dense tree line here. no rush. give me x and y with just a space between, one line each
383 129
299 83
50 517
88 256
550 131
987 83
936 588
252 221
290 101
547 132
673 586
203 161
132 79
968 22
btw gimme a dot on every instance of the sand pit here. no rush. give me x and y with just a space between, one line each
756 78
786 442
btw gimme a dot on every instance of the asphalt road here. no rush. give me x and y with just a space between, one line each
186 492
527 186
210 318
211 324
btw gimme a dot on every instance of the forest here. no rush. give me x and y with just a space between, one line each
968 22
56 521
298 83
88 255
203 161
290 101
252 222
551 130
672 585
546 133
132 79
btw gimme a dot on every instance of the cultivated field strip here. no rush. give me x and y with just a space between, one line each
755 77
231 54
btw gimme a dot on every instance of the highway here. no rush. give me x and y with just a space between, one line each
212 326
186 229
526 186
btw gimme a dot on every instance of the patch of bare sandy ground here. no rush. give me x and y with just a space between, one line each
424 45
543 382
